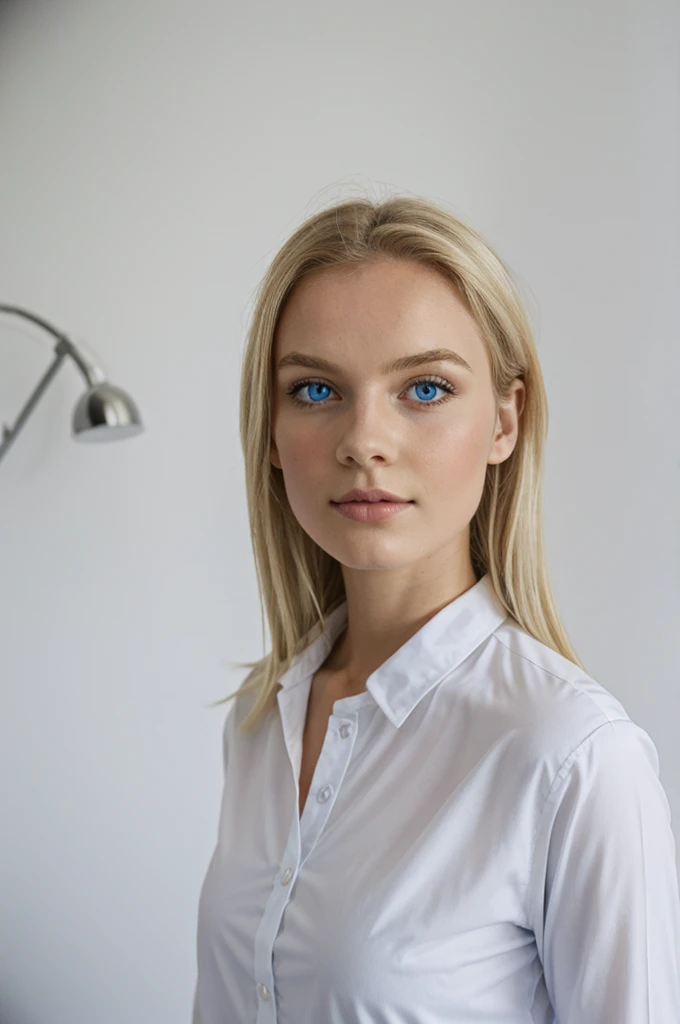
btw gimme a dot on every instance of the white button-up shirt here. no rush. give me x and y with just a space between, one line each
485 839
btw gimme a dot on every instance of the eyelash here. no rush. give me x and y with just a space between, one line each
445 385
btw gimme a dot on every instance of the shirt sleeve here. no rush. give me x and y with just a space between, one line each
227 734
605 899
195 1012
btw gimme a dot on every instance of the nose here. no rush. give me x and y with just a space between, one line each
366 433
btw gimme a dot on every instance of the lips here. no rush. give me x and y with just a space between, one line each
372 495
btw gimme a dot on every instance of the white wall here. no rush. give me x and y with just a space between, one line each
154 156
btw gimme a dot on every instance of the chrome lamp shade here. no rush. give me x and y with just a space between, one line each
103 413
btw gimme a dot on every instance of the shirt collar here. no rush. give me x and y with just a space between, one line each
438 647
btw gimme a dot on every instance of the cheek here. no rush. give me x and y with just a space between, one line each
459 446
452 465
301 451
303 460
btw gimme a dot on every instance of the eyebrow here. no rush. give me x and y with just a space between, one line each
433 355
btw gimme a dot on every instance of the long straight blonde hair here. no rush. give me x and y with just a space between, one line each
299 583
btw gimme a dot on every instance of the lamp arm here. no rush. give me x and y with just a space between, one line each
63 348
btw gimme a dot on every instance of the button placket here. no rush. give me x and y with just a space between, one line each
333 763
330 770
322 796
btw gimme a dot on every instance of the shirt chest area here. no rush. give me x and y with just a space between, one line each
383 866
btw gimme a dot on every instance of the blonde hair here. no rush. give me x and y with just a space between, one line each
299 583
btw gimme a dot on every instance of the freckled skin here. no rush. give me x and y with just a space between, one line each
371 430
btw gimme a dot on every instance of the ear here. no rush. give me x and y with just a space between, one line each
507 424
274 456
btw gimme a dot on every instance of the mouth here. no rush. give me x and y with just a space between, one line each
371 496
362 511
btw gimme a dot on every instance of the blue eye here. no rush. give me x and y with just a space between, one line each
318 389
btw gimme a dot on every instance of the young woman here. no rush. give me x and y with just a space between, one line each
431 811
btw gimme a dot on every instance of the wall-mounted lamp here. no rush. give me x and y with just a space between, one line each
103 413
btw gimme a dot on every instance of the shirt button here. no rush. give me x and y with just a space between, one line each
324 794
345 730
286 876
263 990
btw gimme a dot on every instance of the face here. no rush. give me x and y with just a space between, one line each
423 432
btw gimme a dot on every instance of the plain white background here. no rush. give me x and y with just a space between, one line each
154 156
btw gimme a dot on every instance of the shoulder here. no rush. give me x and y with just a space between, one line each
559 705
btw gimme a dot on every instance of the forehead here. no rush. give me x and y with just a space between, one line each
386 308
